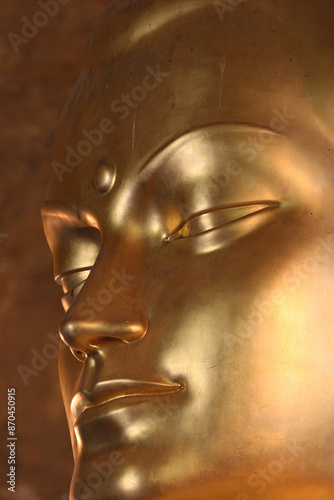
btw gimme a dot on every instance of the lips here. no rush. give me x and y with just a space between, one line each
109 391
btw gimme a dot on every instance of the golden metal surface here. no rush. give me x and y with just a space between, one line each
190 215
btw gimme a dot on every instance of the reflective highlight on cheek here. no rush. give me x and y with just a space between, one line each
130 481
104 176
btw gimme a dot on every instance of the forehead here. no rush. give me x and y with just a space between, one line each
185 73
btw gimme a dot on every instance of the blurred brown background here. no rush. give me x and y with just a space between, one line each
34 84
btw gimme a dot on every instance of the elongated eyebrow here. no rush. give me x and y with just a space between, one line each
168 149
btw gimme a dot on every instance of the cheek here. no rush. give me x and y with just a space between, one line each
287 345
267 344
190 330
191 312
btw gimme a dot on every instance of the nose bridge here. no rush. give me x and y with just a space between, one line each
109 305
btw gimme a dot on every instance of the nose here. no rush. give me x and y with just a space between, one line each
97 317
87 335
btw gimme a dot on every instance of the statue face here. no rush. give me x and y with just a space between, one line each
190 215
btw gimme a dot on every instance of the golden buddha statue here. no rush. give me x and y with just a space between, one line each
190 216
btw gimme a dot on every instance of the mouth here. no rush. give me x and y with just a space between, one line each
116 391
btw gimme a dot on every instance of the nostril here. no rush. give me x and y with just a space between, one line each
102 340
82 336
126 331
79 355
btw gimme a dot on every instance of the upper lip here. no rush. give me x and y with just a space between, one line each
112 390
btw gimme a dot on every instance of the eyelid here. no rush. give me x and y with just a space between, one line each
217 217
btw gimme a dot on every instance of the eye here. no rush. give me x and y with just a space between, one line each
219 217
72 283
